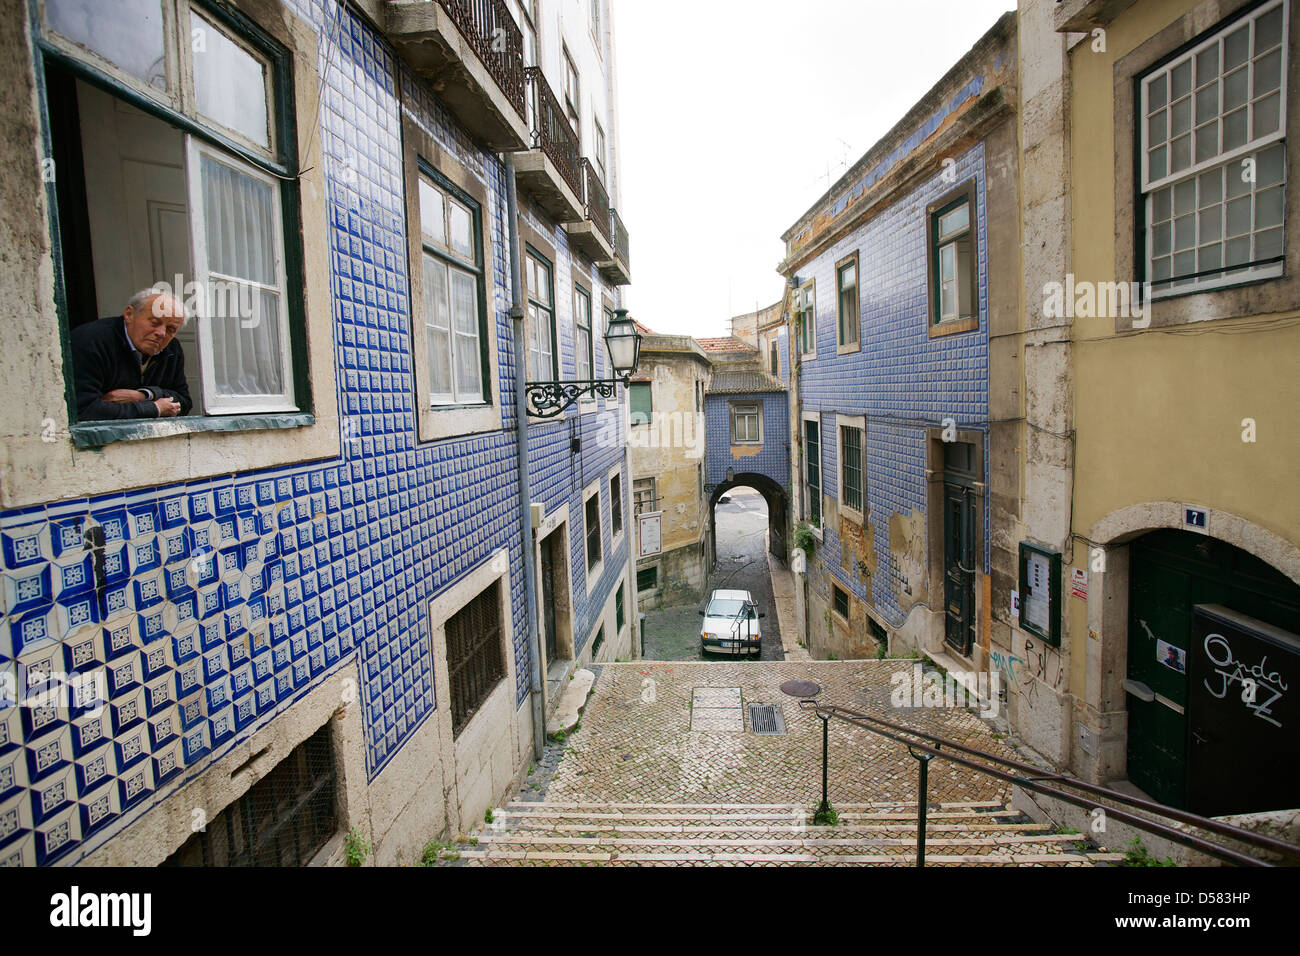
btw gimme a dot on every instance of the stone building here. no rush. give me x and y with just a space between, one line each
666 447
1160 447
897 286
313 591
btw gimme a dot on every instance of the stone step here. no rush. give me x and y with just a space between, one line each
684 807
613 842
801 817
996 858
533 826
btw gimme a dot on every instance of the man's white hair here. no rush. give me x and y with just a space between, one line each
141 298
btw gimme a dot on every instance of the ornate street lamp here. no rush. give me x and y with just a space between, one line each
623 341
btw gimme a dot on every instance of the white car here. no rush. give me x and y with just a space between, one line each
731 624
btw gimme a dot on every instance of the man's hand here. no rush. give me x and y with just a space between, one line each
125 395
168 407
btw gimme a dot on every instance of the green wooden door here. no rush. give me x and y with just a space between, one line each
1169 573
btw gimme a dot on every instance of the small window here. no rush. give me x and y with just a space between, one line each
806 318
526 17
746 424
571 97
644 500
598 643
851 467
954 265
812 474
600 147
841 601
592 515
284 819
620 615
616 506
475 657
453 293
776 360
541 318
582 353
595 17
647 579
1204 118
850 318
640 402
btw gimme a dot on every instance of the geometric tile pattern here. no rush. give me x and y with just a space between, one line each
225 599
773 460
902 380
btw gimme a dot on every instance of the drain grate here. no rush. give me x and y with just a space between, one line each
766 720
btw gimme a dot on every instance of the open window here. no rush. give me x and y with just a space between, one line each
174 147
953 263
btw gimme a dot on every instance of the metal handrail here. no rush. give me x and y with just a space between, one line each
552 133
1034 782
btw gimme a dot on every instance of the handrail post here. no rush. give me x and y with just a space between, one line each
825 807
922 798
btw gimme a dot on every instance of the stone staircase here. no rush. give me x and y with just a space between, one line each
883 834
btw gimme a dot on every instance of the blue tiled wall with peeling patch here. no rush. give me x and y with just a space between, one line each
228 598
902 380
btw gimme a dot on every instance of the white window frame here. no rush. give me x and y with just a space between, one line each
860 424
652 506
806 321
758 417
536 312
1223 160
213 404
454 261
582 294
844 345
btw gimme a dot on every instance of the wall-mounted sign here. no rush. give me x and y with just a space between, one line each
1195 519
1040 592
649 534
1079 583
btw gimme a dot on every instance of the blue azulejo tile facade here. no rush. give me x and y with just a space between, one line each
902 381
771 458
199 610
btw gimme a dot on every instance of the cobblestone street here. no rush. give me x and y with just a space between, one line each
673 634
635 744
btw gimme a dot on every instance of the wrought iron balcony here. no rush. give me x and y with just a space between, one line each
593 236
619 269
551 172
472 52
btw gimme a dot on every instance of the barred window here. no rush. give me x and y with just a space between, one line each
851 466
475 658
841 601
1213 168
812 457
283 820
644 499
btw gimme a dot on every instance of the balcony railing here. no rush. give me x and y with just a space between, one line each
622 245
552 133
597 202
493 34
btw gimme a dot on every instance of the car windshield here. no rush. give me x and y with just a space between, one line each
727 608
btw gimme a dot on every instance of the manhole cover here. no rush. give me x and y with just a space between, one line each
801 688
766 720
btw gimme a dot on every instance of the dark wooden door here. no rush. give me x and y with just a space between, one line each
548 594
959 568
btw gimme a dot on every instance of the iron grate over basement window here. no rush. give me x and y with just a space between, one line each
765 720
283 820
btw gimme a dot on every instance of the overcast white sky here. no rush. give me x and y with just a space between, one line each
733 111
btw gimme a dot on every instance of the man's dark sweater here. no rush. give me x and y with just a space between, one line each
103 360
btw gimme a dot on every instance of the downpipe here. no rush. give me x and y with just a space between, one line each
521 445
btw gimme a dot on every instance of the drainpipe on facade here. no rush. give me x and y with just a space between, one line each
521 443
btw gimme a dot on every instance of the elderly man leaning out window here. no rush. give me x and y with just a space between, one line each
130 365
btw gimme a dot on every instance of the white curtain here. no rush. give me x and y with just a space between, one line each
246 312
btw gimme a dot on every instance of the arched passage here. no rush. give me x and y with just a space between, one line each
778 510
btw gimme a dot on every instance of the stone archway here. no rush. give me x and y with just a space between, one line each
778 510
1108 611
